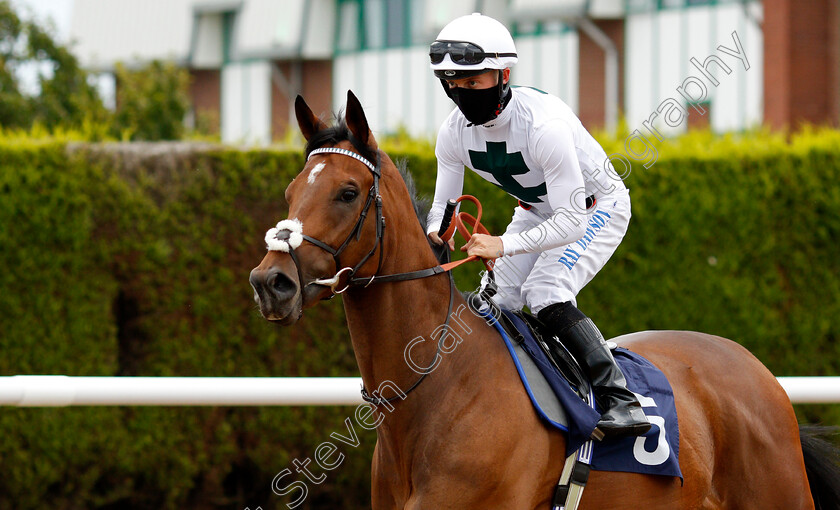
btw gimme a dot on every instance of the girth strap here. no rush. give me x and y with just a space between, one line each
575 473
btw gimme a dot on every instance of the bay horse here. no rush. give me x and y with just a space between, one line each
465 434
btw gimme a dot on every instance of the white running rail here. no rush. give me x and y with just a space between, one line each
62 390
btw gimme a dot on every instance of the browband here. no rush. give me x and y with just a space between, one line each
337 150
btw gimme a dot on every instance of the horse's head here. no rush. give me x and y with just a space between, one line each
335 224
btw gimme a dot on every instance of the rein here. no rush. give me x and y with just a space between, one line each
282 238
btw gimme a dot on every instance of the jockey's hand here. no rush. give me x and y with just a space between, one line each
438 241
484 246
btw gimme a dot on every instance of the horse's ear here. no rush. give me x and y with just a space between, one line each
307 121
357 122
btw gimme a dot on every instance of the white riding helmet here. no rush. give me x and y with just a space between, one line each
470 45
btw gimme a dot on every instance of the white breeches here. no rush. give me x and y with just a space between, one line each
557 275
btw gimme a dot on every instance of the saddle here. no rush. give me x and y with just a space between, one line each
561 359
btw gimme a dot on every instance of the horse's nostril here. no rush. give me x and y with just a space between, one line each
282 285
272 283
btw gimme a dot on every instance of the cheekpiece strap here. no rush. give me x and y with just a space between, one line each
337 150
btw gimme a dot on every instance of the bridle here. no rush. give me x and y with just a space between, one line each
373 197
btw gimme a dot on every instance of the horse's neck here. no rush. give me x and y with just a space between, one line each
385 318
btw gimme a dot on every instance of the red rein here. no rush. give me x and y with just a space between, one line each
460 221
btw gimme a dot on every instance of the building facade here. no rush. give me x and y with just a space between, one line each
675 64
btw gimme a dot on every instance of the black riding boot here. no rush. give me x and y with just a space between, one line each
622 412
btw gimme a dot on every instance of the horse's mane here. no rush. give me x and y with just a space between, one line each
340 132
421 204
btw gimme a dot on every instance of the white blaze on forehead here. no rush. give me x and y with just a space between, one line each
314 173
295 229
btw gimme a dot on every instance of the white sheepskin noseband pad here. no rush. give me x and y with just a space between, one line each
295 229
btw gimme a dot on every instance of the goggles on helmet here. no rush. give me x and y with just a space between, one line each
461 52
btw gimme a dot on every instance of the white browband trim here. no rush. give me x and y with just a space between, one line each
295 228
336 150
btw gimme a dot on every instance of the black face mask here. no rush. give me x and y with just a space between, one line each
477 105
480 105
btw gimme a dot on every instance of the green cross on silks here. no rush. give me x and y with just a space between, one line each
503 167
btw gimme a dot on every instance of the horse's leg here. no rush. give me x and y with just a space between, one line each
761 447
489 451
475 476
517 494
383 482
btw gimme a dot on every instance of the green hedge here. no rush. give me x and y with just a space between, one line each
133 260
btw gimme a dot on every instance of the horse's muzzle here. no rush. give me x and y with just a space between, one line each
277 295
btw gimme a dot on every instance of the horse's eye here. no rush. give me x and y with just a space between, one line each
349 195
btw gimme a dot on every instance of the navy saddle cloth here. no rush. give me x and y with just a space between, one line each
656 452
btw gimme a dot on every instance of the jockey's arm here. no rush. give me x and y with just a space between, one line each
449 185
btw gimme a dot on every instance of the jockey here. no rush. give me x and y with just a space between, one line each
571 215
